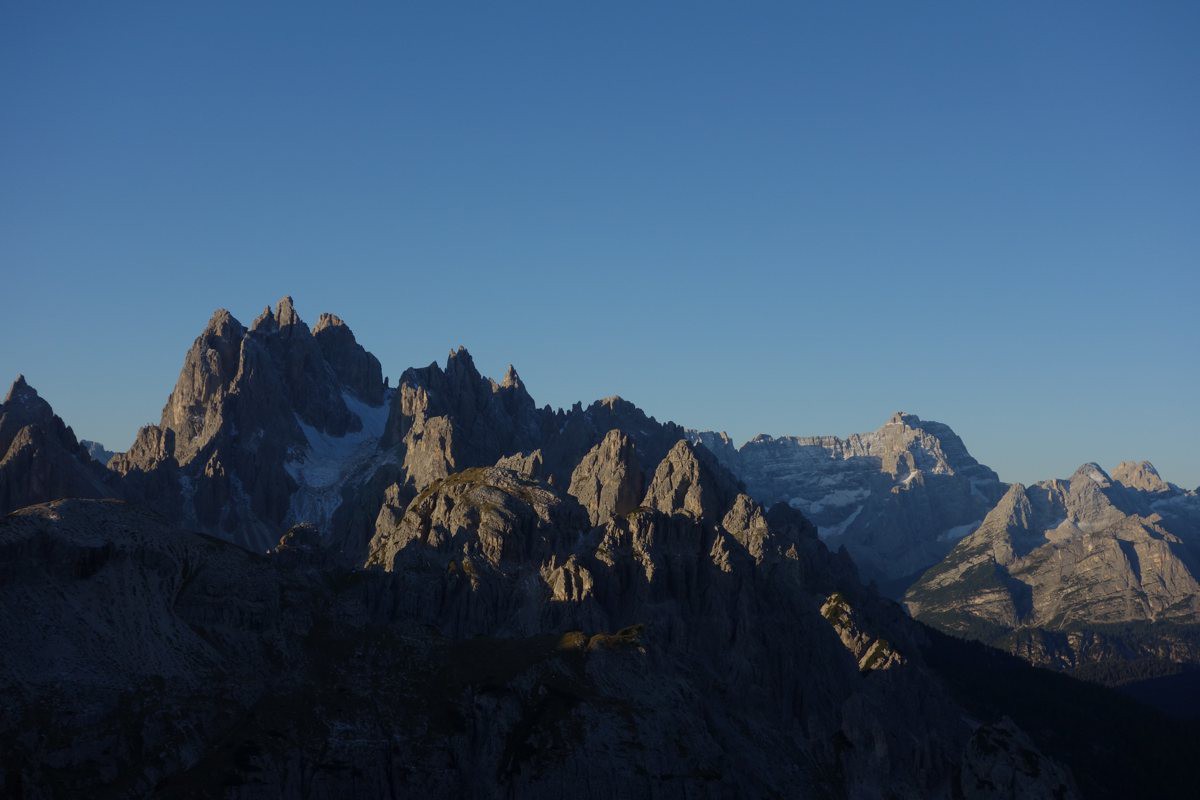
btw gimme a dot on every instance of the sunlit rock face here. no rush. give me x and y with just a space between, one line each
1065 571
609 481
897 498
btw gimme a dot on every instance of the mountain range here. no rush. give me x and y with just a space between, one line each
1078 573
305 582
897 498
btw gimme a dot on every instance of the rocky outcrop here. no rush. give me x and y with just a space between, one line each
40 459
530 465
1075 558
869 651
609 481
485 516
898 498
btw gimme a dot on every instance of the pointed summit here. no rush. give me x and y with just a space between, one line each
608 482
25 404
222 324
460 367
459 356
511 378
20 391
692 481
265 322
40 458
285 314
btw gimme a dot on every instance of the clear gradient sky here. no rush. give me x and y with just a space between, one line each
757 217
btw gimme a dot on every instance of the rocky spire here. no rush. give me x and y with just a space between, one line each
265 322
194 409
23 408
20 391
355 367
285 313
691 481
460 364
608 481
511 379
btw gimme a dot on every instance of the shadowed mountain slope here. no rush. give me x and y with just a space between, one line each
40 458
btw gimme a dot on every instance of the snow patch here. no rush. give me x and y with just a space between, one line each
324 467
959 531
840 528
839 498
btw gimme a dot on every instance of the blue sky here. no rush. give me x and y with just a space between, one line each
776 217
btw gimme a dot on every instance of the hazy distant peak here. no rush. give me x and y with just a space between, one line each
1093 472
1140 475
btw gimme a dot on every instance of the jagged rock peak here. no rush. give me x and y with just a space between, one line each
327 320
608 482
904 418
461 366
21 391
285 313
221 323
531 466
1012 498
265 322
511 379
22 406
354 366
1140 475
691 480
40 458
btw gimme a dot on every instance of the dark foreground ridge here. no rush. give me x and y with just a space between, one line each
501 660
